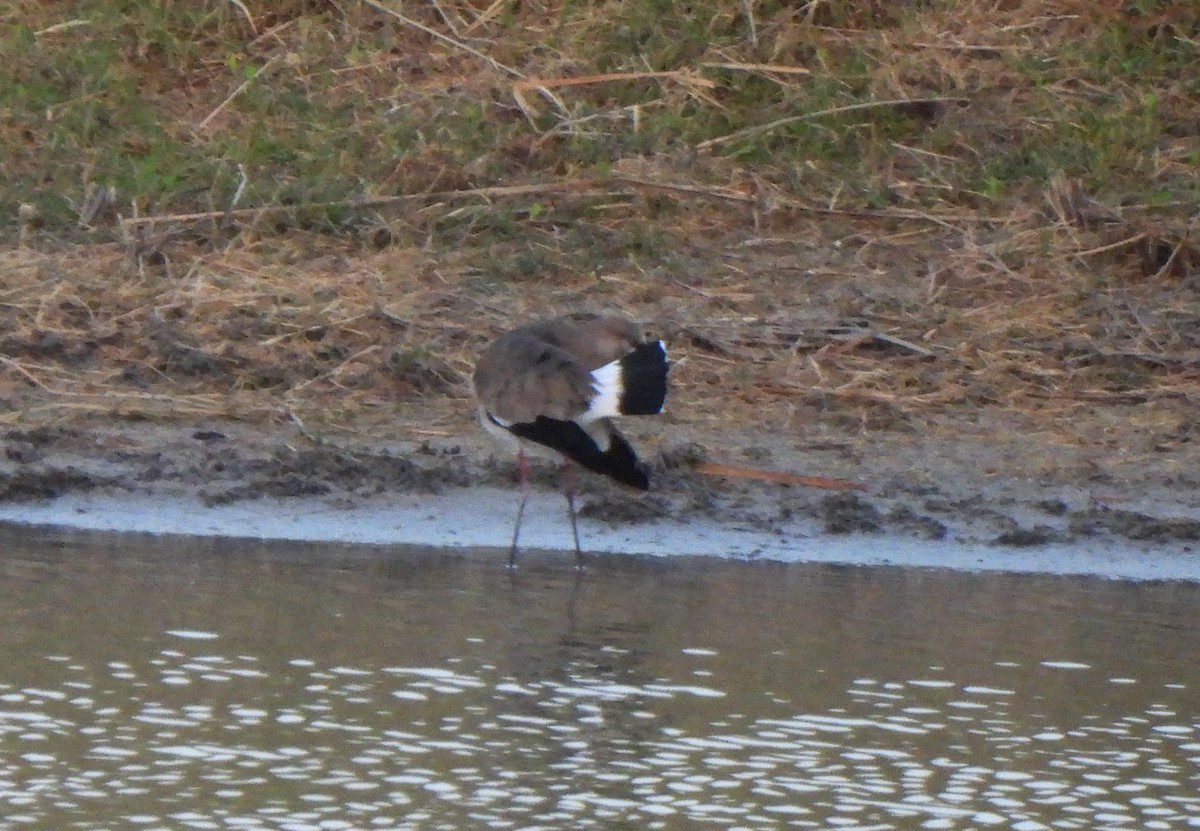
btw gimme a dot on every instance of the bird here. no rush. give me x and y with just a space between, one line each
557 383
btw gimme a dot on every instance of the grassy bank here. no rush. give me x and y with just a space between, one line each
879 216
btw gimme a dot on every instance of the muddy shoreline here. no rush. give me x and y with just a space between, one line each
955 496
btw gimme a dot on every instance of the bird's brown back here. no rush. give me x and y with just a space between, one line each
545 368
592 340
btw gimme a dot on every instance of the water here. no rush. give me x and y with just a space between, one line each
216 685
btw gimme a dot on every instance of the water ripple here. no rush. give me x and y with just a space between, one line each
383 704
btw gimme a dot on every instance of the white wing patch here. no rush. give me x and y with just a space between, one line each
609 387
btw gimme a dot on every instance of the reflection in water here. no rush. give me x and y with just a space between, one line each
219 685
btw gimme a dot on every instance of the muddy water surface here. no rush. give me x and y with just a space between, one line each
159 684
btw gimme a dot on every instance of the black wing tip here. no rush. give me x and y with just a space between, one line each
634 475
644 379
619 462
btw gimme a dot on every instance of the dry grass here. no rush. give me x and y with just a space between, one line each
880 217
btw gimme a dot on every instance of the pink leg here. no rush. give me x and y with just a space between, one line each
523 478
570 489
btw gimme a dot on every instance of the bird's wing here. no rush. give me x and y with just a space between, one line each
521 377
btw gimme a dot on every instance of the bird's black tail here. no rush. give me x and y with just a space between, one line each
644 380
617 462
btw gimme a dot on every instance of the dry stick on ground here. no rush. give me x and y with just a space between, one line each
316 327
329 375
24 373
62 27
246 13
1112 246
765 68
372 201
203 404
794 119
203 125
725 194
731 195
683 76
457 44
892 340
485 16
586 80
573 186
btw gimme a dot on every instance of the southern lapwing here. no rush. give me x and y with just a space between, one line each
557 383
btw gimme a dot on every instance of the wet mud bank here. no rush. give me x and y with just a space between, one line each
965 505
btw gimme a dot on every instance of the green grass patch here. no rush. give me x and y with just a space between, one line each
178 106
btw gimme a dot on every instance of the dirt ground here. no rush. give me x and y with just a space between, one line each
123 382
793 359
969 487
